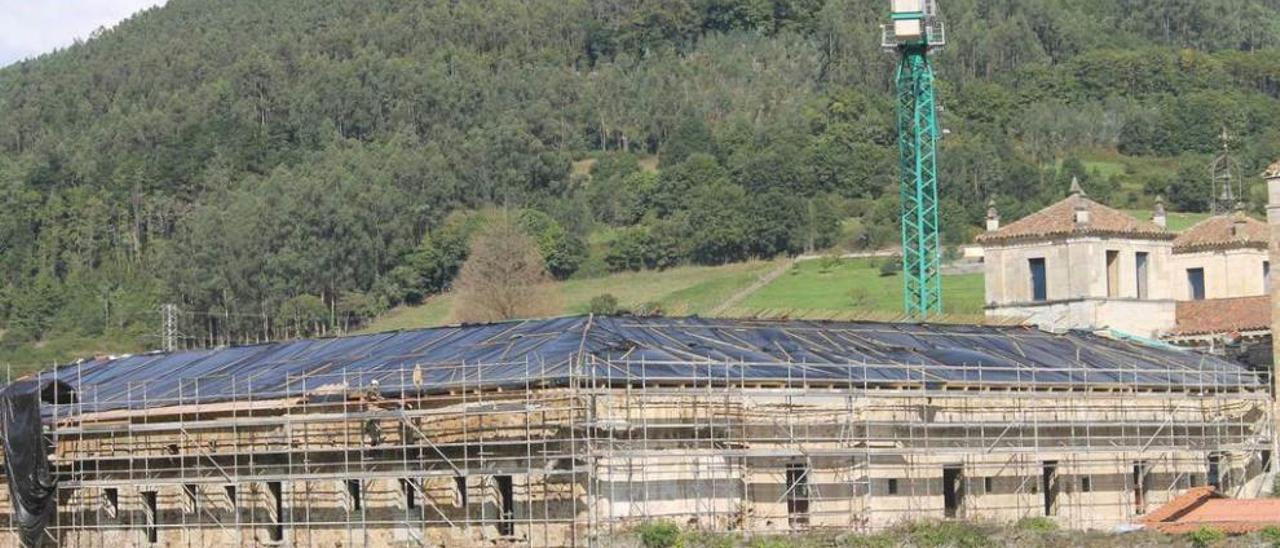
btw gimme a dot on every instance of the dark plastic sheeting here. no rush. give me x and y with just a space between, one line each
26 458
613 349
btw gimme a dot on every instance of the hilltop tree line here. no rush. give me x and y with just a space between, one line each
293 167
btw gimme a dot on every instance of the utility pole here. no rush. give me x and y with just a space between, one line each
916 30
169 329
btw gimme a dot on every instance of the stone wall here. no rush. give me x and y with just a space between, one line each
1227 273
1076 268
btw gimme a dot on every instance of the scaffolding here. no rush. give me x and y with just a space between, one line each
374 459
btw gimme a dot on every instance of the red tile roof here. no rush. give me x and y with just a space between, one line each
1229 510
1203 507
1059 219
1222 315
1180 505
1220 231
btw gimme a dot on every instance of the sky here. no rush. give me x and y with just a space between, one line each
31 27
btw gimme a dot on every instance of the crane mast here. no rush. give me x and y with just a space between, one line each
915 31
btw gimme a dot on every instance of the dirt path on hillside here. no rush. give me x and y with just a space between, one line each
745 292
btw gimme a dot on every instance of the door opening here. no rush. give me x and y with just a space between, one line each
1049 487
1140 487
798 495
953 490
506 506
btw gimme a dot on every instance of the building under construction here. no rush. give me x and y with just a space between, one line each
566 431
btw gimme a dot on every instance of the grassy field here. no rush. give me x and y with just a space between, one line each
856 285
1177 222
1105 168
27 358
846 286
1127 172
817 288
1109 163
678 291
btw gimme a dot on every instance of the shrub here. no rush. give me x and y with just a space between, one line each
659 534
881 540
891 266
1270 535
562 251
951 254
1037 524
1205 537
827 263
605 304
631 250
651 308
947 533
859 299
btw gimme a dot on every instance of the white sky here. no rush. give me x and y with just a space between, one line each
32 27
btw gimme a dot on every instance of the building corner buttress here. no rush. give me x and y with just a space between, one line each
1272 176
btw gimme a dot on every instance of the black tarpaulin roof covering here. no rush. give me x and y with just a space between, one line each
26 457
613 349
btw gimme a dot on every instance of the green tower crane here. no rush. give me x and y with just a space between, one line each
916 30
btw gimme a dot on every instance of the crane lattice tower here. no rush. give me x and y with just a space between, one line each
917 30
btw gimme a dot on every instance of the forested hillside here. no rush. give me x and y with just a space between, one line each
290 167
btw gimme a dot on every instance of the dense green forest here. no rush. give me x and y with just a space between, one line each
291 167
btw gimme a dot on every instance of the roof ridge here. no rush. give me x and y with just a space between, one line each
1220 230
1060 219
1181 505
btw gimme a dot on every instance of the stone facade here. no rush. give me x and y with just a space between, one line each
1079 294
1228 273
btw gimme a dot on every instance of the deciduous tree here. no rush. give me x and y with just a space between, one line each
503 278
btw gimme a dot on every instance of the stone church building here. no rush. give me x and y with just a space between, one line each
1079 264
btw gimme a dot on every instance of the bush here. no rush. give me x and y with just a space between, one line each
881 540
891 266
562 252
651 308
1037 524
826 264
1270 535
859 299
634 249
1205 537
951 254
947 533
605 304
659 535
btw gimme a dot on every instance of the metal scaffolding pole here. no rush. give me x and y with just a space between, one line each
606 450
